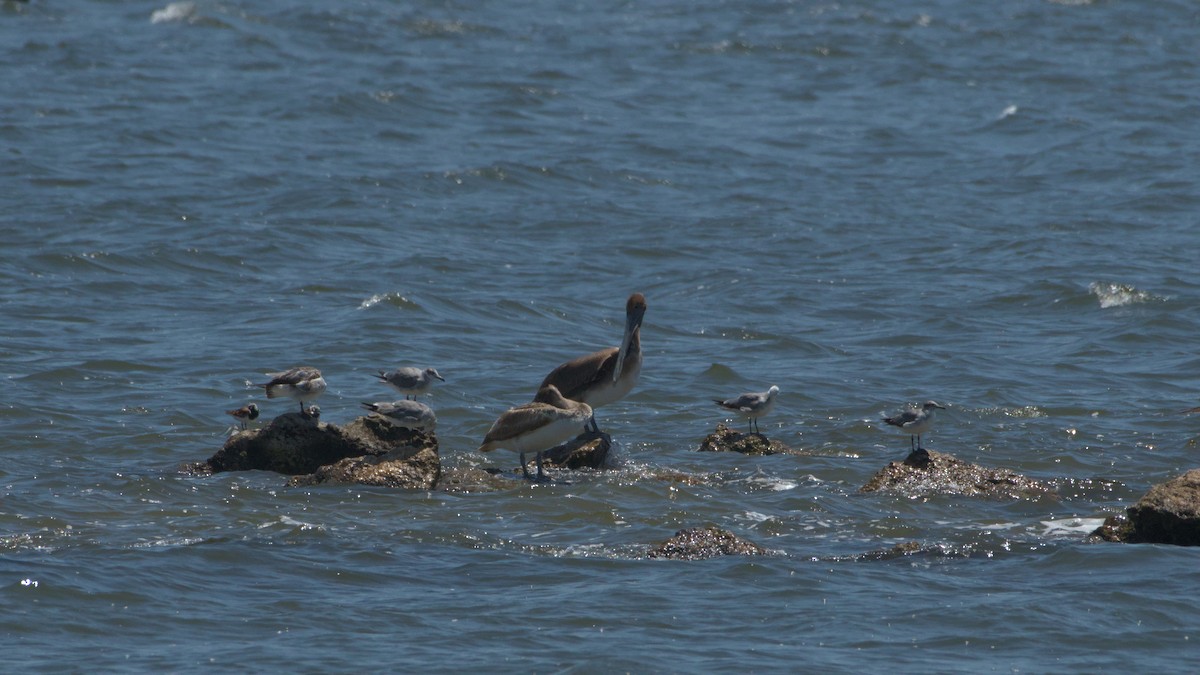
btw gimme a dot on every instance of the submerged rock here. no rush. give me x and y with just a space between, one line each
724 439
699 543
926 472
377 453
1168 514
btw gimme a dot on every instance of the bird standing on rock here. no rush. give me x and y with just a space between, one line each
751 406
244 414
537 426
302 383
915 421
408 414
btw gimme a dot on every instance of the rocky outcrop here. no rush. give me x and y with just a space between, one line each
367 450
926 472
704 542
724 439
1168 514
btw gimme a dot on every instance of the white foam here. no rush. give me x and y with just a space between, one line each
176 11
1070 526
1117 295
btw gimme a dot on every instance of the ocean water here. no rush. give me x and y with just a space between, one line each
867 204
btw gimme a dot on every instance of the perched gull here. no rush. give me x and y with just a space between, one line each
751 406
534 427
302 383
410 381
606 376
407 414
915 421
244 414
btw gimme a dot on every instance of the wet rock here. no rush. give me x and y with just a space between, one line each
724 439
297 445
467 480
704 542
926 472
898 551
1168 514
586 451
412 467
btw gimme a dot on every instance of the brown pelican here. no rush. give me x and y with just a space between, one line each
751 406
915 421
540 425
603 377
302 383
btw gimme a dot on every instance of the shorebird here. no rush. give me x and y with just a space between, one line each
537 426
244 414
410 381
606 376
915 421
407 414
302 383
751 406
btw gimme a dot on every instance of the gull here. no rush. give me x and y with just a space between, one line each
302 383
407 414
915 421
752 405
608 375
534 427
244 414
410 381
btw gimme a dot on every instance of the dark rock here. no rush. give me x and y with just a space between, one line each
704 542
295 444
1168 514
724 439
586 451
898 551
926 472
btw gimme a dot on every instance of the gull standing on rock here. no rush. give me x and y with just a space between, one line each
534 427
751 406
407 414
608 375
303 383
410 381
915 421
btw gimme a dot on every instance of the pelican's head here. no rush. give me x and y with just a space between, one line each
635 311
